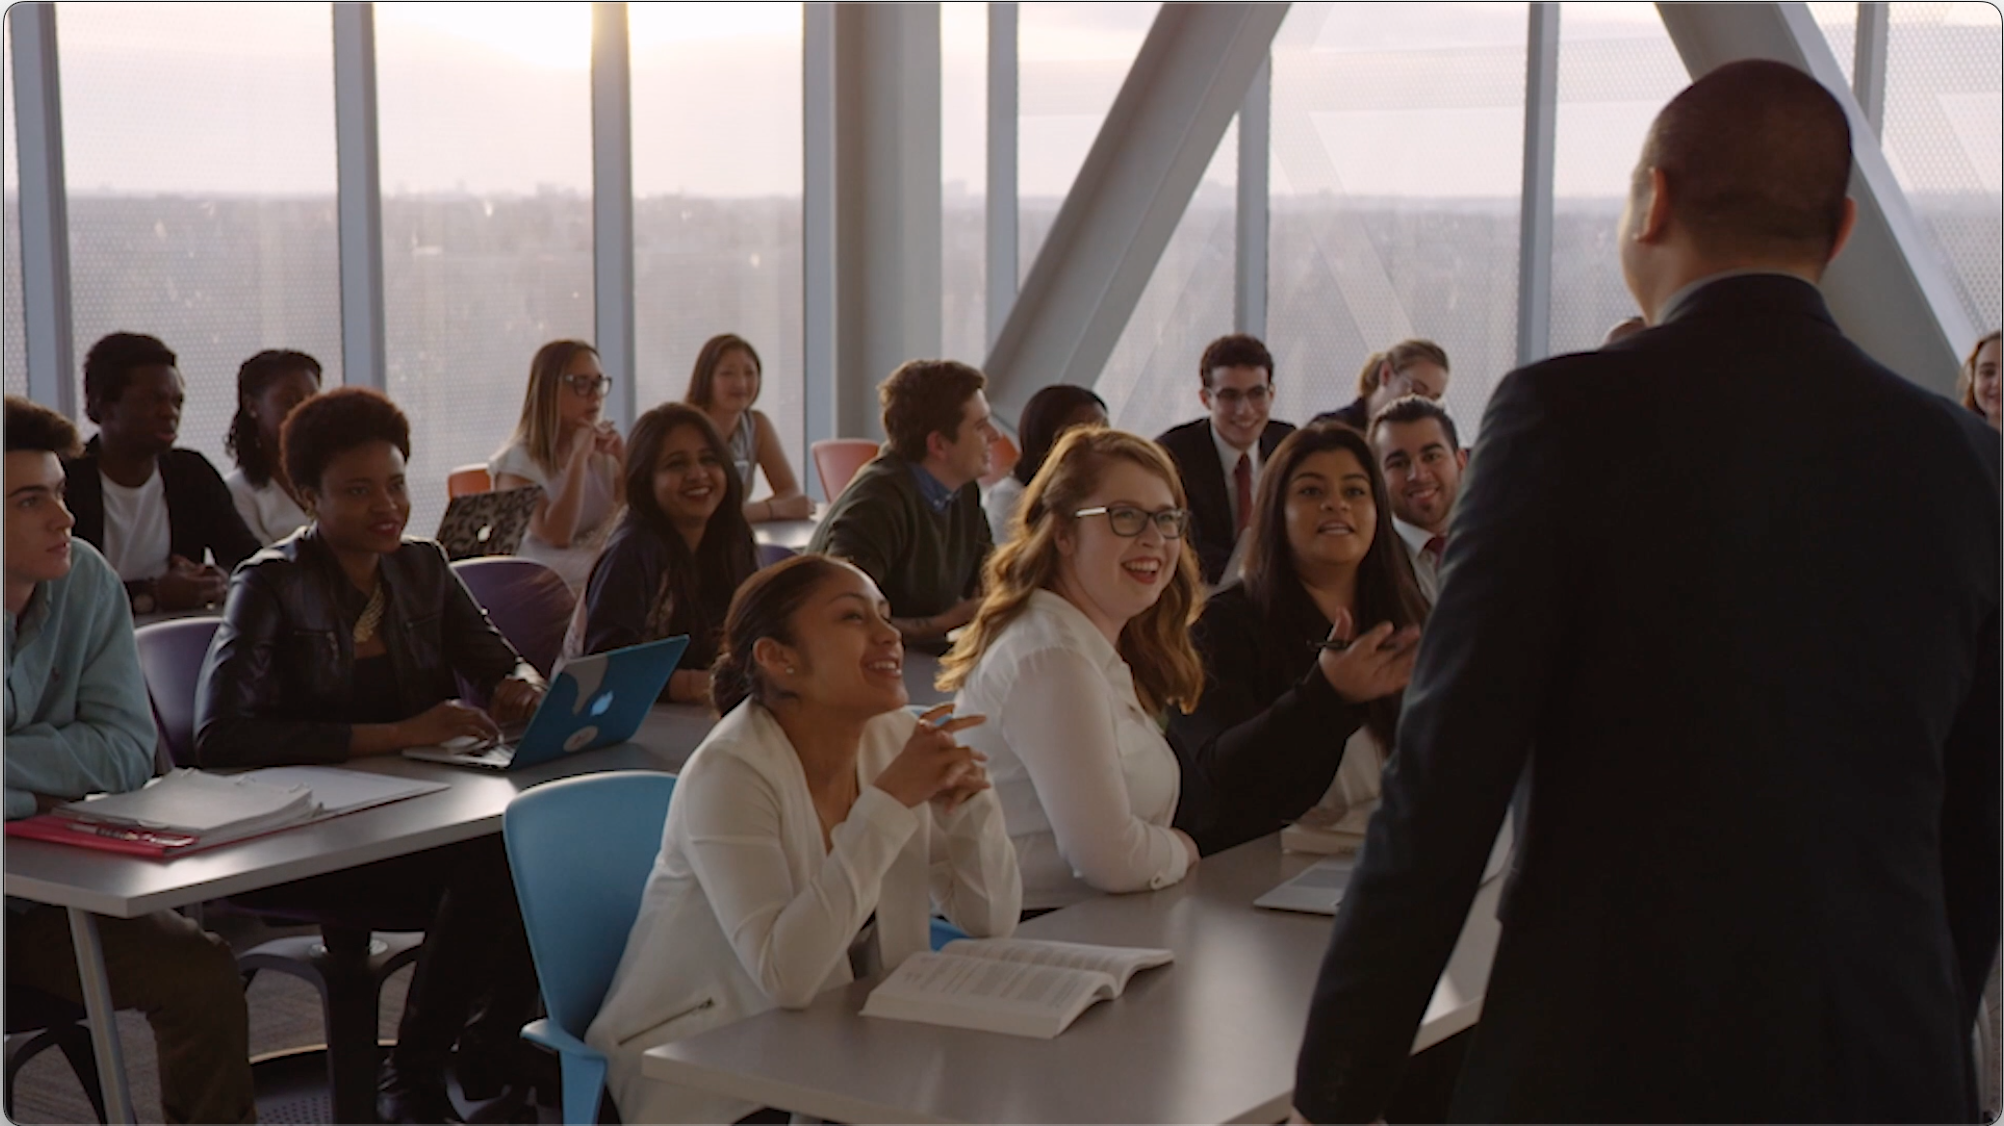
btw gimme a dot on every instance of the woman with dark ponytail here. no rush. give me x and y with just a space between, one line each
819 824
678 555
269 385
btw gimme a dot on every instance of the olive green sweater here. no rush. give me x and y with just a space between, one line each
923 561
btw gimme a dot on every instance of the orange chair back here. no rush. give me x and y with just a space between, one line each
467 480
836 460
1002 457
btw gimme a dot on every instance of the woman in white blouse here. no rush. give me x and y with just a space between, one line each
563 445
269 385
1082 639
819 822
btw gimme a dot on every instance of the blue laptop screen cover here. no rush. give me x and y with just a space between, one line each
599 700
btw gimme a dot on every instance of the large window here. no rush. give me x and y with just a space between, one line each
963 202
199 150
13 322
717 160
1150 381
1071 60
1397 170
1944 121
1617 68
485 135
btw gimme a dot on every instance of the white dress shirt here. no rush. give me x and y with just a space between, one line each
267 510
1425 566
746 911
1088 784
1000 502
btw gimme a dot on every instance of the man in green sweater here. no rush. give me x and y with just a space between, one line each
911 518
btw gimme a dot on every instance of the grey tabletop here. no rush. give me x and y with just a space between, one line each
1211 1038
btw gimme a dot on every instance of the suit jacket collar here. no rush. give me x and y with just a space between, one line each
1743 294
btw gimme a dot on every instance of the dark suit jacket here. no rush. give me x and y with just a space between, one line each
201 516
1196 457
1739 585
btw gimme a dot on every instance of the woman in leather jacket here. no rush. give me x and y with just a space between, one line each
346 640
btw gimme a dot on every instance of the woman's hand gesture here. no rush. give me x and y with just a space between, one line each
1365 668
934 764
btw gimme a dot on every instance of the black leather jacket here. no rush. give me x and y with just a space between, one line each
276 685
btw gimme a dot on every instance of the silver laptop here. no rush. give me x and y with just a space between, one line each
1318 890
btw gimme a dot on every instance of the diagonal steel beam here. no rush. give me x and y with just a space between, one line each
1889 289
1191 76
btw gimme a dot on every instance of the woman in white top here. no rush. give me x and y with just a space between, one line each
1049 413
724 384
563 445
269 385
1082 640
818 822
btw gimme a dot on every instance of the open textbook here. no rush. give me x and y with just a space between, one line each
1019 986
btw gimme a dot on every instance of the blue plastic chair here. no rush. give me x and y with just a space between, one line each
578 915
944 932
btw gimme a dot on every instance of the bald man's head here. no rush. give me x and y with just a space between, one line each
1756 157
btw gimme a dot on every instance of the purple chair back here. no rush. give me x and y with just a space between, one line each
529 603
170 658
770 553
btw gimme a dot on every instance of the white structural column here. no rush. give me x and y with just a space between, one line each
1003 130
358 175
1534 231
1868 70
612 207
45 217
887 208
1191 76
817 228
1887 289
1255 156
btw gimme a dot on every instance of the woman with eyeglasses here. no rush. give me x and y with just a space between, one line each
1304 661
1081 641
578 458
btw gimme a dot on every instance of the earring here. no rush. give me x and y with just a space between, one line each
789 670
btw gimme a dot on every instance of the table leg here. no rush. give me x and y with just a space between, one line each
103 1020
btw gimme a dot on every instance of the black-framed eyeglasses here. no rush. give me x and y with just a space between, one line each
1232 396
588 385
1127 520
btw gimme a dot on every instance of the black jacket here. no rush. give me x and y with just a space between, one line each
1738 584
202 517
1196 458
277 682
1268 733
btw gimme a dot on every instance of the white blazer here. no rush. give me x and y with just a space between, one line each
744 911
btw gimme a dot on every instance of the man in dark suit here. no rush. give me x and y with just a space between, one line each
1738 584
1219 457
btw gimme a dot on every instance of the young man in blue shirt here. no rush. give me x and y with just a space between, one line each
78 722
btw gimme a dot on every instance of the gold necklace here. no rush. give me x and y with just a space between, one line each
372 615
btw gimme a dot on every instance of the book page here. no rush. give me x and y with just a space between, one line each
1116 962
989 982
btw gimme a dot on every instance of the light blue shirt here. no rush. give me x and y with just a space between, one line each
936 495
78 720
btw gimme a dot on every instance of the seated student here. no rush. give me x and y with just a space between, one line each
677 557
563 445
1978 386
1082 641
1410 367
1049 413
1220 457
155 511
346 641
1422 460
269 385
78 722
1285 727
815 829
724 384
911 518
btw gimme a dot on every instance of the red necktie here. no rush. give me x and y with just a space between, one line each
1242 486
1436 547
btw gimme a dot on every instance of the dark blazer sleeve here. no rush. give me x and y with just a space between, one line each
1969 824
475 649
204 507
620 595
1252 762
1464 735
239 688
